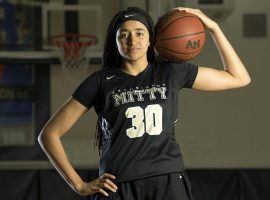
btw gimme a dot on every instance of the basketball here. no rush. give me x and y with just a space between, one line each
180 36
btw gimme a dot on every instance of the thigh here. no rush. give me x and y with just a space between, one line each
178 187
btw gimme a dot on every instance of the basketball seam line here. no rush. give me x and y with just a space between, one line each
177 52
181 36
172 22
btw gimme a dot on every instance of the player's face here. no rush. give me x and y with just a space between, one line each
132 39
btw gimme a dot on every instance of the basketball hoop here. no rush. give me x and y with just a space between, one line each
71 49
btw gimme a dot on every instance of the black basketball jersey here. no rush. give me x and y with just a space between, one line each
137 116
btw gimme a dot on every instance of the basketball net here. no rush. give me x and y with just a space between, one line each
71 49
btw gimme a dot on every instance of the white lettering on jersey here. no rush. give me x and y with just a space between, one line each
137 116
162 91
138 95
151 93
144 121
153 122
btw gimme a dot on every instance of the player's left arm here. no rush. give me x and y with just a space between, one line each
234 74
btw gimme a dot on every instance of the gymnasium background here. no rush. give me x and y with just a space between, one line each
224 136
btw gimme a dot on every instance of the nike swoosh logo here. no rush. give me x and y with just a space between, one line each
129 15
109 77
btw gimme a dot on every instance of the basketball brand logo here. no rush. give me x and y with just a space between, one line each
193 44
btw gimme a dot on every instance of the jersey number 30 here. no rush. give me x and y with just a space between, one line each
148 120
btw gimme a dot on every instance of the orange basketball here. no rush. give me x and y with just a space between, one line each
180 36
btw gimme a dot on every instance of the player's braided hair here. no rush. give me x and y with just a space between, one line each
111 56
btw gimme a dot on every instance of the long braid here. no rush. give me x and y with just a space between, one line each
111 56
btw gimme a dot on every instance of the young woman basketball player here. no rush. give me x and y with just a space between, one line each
136 100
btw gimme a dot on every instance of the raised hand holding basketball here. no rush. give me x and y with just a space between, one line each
207 22
234 74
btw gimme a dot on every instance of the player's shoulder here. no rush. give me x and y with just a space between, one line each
102 72
169 65
107 73
166 66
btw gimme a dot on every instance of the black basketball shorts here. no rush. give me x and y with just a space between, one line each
173 186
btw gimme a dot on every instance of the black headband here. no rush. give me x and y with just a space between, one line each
132 16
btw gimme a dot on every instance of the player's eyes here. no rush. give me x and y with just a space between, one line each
140 34
123 35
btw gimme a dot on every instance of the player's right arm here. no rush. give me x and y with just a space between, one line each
49 140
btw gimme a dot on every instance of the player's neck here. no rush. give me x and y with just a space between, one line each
134 67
